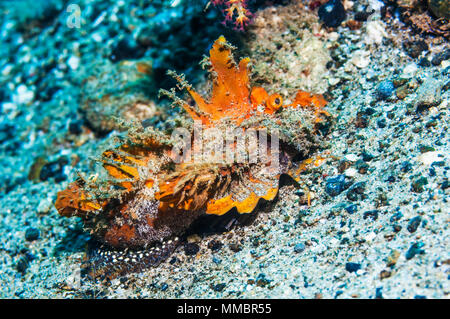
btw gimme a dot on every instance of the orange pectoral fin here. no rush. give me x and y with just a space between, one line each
225 204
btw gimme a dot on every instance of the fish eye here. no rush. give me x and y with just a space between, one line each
275 101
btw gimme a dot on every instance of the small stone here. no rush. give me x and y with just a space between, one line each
381 123
191 249
415 48
351 209
362 119
335 185
352 267
367 157
219 287
396 217
414 224
402 92
235 247
262 281
361 166
215 245
418 185
332 13
424 62
426 148
379 293
428 94
414 250
54 170
164 287
385 90
31 234
22 264
442 56
299 248
361 59
392 259
385 274
373 214
356 191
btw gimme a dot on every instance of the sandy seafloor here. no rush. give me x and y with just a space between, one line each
385 236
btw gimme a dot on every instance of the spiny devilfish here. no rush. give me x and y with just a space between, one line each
146 198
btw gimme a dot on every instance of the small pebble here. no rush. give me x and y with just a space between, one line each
191 249
385 90
414 250
414 224
332 13
352 267
31 234
300 247
335 185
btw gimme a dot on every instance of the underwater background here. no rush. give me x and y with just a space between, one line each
370 220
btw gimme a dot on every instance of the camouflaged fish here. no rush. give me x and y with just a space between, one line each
148 199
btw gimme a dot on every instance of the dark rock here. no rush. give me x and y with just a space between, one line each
363 15
372 214
381 123
367 157
418 185
299 248
414 250
378 293
164 287
76 127
22 264
361 166
414 224
235 247
219 287
352 267
426 148
385 90
31 234
362 119
405 167
351 209
332 13
191 249
415 48
356 191
335 185
396 217
424 62
215 245
442 56
262 281
54 170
